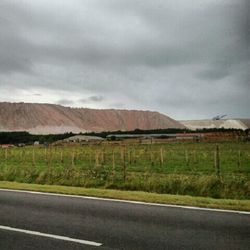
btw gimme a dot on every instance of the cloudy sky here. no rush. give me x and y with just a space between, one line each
188 59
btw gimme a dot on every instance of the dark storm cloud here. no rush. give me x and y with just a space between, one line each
207 31
65 102
213 74
164 55
94 98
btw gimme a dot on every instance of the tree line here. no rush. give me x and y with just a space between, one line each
27 138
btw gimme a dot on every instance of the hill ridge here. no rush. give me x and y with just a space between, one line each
40 118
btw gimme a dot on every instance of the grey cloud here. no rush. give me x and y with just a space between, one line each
65 102
213 74
94 98
83 100
164 41
144 54
118 105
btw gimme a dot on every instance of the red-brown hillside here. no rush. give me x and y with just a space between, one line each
50 118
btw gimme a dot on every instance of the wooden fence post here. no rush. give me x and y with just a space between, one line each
61 157
217 160
151 158
161 156
124 164
195 156
239 160
73 159
186 157
33 157
6 154
96 159
129 157
113 165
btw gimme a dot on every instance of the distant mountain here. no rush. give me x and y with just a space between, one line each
222 123
50 118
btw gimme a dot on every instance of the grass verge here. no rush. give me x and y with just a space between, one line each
243 205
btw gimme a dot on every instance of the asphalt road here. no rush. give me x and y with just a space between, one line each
116 225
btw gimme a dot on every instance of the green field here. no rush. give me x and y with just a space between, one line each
174 168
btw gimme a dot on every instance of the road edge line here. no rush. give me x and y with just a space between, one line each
53 236
126 201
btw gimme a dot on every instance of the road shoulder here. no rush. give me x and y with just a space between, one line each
135 196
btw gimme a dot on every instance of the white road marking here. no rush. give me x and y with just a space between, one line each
58 237
127 201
